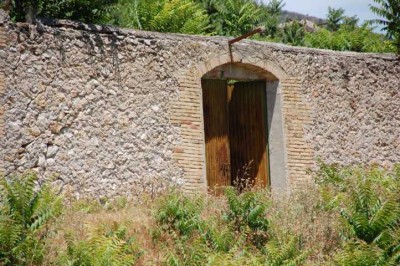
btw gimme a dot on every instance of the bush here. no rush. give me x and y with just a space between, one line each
25 213
359 39
285 253
180 214
238 234
368 202
92 11
103 246
351 217
248 211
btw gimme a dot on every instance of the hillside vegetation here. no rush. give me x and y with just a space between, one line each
227 18
349 216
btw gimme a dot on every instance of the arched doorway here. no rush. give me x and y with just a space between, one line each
236 125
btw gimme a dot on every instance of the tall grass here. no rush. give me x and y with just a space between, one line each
349 216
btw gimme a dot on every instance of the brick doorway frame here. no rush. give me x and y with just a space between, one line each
187 113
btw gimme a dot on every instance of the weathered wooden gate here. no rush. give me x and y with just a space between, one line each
235 133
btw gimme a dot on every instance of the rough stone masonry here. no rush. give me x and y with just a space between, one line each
107 111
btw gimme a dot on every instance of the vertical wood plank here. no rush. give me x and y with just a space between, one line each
216 133
248 134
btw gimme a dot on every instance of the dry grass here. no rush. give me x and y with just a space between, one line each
296 214
77 224
300 213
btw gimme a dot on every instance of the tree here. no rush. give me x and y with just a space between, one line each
88 11
236 17
180 16
274 7
334 18
358 39
293 33
272 14
209 5
389 10
351 22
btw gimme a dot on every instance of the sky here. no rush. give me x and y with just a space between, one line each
319 8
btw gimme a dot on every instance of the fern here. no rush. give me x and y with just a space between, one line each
236 17
24 212
371 214
180 16
179 213
360 253
359 39
104 246
220 238
369 206
288 253
248 210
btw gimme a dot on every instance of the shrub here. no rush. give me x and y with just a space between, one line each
351 217
92 11
179 16
238 234
248 211
368 202
103 246
25 213
285 253
178 213
359 39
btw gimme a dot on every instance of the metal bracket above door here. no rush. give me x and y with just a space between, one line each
244 36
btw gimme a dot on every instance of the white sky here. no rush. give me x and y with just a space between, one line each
319 8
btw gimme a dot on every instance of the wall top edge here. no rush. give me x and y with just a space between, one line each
53 25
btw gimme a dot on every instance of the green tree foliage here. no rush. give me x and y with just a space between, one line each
359 39
351 22
236 17
271 17
274 7
334 18
226 18
180 16
389 10
89 11
24 214
293 33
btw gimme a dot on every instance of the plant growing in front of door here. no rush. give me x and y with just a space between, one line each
247 212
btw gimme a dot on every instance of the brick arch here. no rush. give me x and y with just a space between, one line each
187 113
202 68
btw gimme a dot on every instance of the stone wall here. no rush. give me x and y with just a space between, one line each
108 111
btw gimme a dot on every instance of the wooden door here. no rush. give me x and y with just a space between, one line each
248 133
235 133
215 108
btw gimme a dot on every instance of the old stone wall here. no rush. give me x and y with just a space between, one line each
108 111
